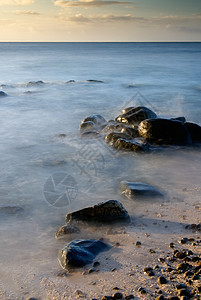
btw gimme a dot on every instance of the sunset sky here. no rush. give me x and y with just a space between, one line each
100 20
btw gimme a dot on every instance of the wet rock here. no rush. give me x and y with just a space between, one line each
142 290
113 126
3 94
132 132
181 119
96 119
39 82
136 115
65 230
108 211
90 134
11 210
112 137
138 243
135 145
164 132
79 253
129 297
70 81
161 297
184 292
133 190
87 126
95 81
195 131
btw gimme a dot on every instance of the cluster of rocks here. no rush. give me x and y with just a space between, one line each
179 277
138 128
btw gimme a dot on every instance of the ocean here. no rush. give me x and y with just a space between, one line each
47 170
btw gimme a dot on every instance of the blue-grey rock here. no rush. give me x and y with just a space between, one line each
109 211
79 253
134 190
3 94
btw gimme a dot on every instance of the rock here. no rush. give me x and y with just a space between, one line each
94 80
132 132
39 82
96 119
181 119
89 134
129 297
79 253
196 227
112 137
117 295
161 280
11 210
3 94
133 190
135 145
108 211
87 126
70 81
195 131
136 115
65 230
164 131
113 126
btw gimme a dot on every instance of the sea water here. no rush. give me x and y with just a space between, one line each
47 170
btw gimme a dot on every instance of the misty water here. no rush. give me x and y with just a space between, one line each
49 91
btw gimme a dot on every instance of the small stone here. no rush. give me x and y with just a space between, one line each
184 292
96 264
142 290
180 286
91 270
106 298
116 244
161 297
114 269
183 241
152 251
169 269
129 297
156 267
161 259
117 295
138 243
161 280
171 245
173 298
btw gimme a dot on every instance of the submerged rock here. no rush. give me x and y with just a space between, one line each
135 145
35 82
3 94
96 119
164 131
133 190
89 134
11 210
136 115
87 126
108 211
195 131
94 80
79 253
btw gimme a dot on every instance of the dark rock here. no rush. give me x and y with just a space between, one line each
142 290
106 298
129 297
94 80
195 131
11 210
87 126
161 280
96 119
3 94
91 270
108 211
184 292
39 82
164 132
138 243
161 297
181 119
180 286
136 115
89 134
113 126
133 190
132 132
117 295
135 145
196 227
96 264
112 137
183 241
70 81
79 253
65 230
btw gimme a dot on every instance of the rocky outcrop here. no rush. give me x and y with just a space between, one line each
79 253
135 145
195 131
112 137
104 212
136 115
134 190
164 132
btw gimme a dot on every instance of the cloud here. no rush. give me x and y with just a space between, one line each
16 2
24 12
88 3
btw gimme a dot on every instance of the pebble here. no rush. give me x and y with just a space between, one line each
91 270
142 290
138 243
161 280
96 264
129 297
117 295
184 292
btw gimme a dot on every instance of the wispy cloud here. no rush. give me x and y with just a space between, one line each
88 3
16 2
25 12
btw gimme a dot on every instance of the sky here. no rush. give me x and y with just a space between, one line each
100 20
